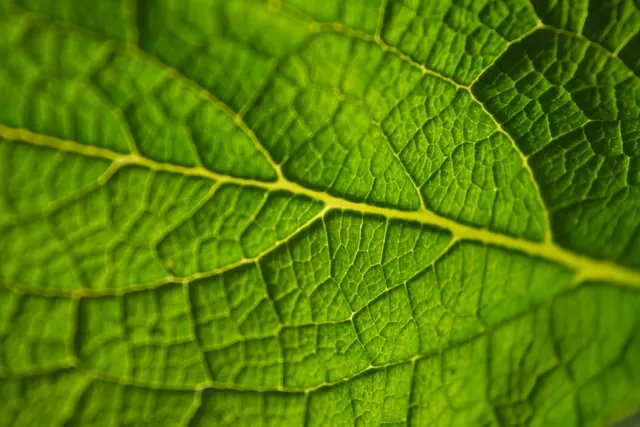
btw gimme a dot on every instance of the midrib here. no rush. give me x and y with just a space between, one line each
586 268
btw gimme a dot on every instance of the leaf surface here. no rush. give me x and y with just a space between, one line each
333 212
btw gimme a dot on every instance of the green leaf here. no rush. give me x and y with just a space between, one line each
306 212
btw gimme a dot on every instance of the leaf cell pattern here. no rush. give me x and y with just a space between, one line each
292 212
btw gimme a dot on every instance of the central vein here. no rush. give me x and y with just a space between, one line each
586 268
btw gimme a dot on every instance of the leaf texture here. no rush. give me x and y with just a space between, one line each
305 212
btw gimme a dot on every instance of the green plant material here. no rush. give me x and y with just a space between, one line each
319 212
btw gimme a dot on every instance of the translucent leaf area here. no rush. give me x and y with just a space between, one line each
319 212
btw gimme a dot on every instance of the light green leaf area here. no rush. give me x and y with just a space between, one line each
319 212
